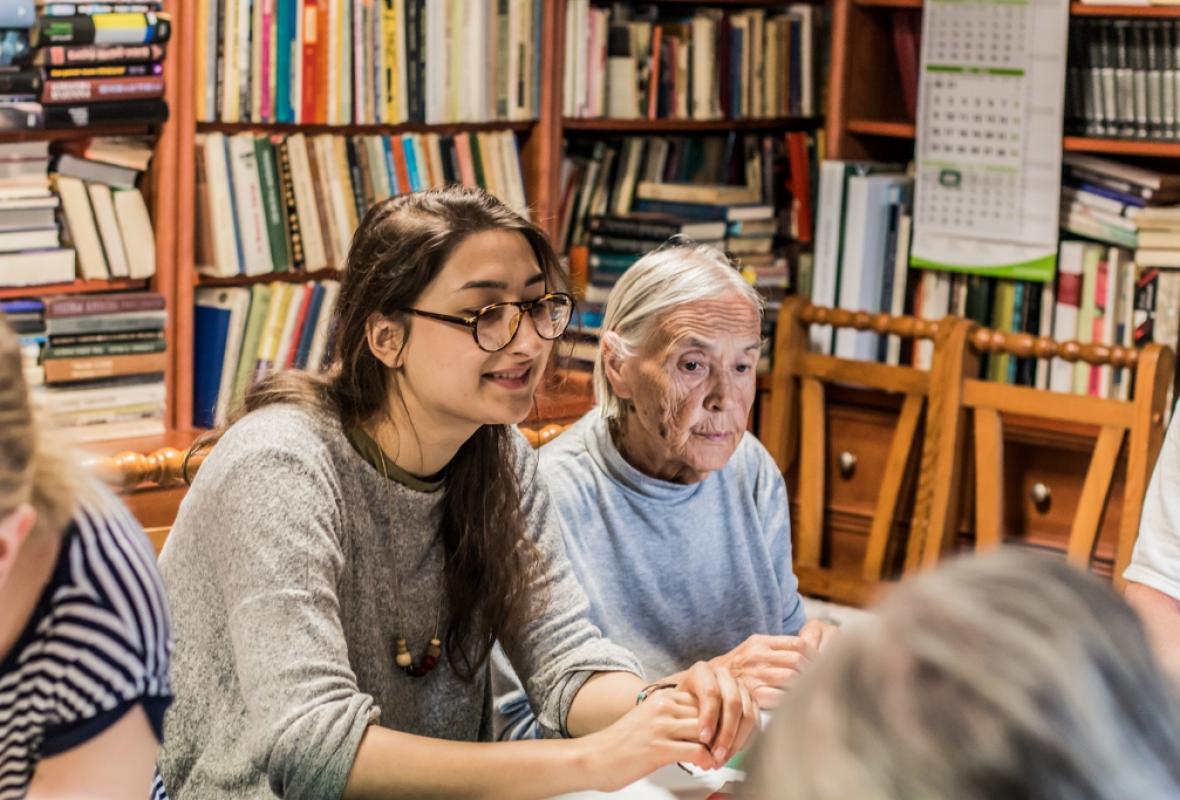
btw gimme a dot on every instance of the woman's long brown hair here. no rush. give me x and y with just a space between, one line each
399 248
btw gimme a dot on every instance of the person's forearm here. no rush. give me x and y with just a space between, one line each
603 698
394 764
1161 617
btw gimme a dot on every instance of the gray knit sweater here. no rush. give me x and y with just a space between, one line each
282 572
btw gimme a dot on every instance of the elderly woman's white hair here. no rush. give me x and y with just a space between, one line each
675 274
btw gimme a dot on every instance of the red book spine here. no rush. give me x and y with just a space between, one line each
310 37
653 91
323 50
799 183
399 164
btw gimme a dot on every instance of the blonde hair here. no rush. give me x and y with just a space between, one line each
678 273
1012 675
32 468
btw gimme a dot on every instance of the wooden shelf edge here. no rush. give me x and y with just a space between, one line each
874 127
1075 9
1084 10
76 287
915 4
267 277
353 130
1075 144
1123 147
603 125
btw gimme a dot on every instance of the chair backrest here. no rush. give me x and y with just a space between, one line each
794 429
1134 426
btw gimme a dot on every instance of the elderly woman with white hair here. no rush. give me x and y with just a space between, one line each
674 517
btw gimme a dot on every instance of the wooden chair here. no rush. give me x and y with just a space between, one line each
1135 426
794 429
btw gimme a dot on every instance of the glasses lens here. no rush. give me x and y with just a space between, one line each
552 315
495 326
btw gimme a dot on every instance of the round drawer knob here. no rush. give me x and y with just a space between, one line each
847 463
1041 496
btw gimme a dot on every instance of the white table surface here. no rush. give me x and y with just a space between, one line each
669 783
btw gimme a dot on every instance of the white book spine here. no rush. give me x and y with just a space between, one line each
248 198
1065 312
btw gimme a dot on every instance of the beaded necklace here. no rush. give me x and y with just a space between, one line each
415 668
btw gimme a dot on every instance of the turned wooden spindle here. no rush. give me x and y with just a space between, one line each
1025 345
904 326
544 435
129 469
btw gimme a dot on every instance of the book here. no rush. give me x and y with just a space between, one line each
103 29
108 227
34 267
81 228
136 226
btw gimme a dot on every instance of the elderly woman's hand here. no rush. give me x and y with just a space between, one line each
765 664
727 713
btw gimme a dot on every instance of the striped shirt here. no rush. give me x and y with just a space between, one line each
97 645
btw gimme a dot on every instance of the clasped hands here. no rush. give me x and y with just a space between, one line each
730 689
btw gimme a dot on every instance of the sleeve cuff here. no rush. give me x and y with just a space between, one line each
1139 573
76 735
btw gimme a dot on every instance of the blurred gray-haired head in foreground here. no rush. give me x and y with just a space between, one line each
1011 675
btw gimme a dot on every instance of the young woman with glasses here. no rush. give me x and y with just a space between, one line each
355 544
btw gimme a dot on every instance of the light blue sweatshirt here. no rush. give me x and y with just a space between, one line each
675 573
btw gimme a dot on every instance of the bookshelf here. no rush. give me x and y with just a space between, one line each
157 187
541 143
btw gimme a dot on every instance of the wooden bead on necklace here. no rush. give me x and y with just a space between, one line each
416 669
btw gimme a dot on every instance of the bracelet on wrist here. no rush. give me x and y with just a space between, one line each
650 689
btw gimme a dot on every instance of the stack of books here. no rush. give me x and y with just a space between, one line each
92 183
627 62
20 85
30 242
84 64
1125 205
102 359
243 334
106 218
342 62
280 203
690 177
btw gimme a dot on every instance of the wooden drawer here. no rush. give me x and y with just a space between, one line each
1057 460
862 424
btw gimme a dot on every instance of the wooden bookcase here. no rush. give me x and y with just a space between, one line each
866 119
865 112
541 156
158 187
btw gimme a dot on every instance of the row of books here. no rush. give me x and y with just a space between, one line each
1123 78
368 61
694 177
75 212
76 65
291 202
1101 295
626 63
96 362
1123 204
242 334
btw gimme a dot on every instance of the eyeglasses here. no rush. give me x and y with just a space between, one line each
495 326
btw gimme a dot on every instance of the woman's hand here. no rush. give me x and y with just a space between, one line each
661 730
728 712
